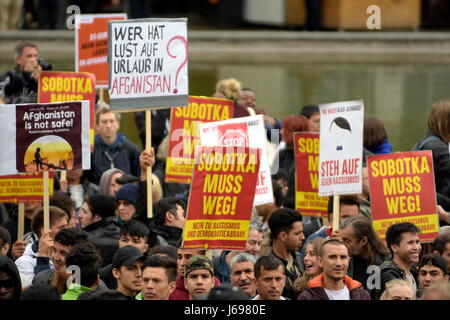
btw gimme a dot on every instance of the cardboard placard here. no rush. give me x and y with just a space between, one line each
184 133
341 143
148 63
402 189
43 137
91 45
221 197
307 200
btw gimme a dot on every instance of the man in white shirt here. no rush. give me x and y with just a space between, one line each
270 278
333 283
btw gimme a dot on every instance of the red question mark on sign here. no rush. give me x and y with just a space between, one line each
183 40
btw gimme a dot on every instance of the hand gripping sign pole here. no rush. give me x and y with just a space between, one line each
63 176
148 145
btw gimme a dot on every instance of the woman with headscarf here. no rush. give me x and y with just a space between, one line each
108 184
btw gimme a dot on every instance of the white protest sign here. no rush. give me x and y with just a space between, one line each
341 142
44 137
243 132
148 63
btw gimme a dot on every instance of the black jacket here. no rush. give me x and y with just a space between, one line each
441 161
379 260
162 235
389 270
12 225
159 129
291 274
105 234
21 87
122 154
107 277
8 266
169 189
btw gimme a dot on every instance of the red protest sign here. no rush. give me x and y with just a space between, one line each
307 200
28 187
221 197
69 86
184 134
402 189
91 45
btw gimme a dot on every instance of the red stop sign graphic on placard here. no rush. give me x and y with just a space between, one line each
233 135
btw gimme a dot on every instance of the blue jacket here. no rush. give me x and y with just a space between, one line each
382 148
122 154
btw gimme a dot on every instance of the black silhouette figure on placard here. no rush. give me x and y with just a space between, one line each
40 162
38 159
343 124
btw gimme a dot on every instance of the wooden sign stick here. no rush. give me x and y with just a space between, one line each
46 202
336 212
21 221
148 145
63 176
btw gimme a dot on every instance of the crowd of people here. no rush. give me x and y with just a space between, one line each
100 233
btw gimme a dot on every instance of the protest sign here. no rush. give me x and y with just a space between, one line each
91 45
402 189
148 63
184 133
243 132
221 197
307 200
341 142
69 86
42 137
23 187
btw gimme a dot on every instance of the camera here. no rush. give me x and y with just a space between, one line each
44 64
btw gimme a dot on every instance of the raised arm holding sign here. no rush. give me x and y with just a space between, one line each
147 69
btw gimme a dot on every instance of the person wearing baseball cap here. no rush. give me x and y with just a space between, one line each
432 269
198 277
227 291
127 263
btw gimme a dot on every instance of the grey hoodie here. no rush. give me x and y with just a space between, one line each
105 180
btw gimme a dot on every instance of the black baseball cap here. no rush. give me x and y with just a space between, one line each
126 256
434 260
226 291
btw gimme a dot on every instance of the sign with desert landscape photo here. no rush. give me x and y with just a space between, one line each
45 137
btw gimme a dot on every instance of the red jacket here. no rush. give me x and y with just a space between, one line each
180 292
315 290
